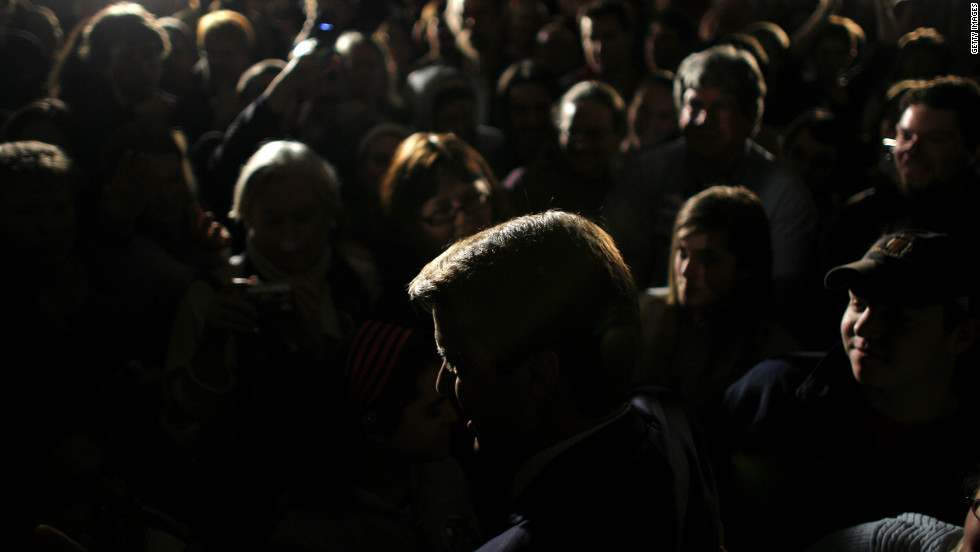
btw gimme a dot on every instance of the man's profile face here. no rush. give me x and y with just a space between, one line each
712 122
929 149
895 347
494 401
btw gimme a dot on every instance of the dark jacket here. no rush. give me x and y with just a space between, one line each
813 457
635 484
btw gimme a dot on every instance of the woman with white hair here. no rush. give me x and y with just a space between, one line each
288 200
250 338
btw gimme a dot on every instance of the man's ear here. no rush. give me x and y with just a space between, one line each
542 369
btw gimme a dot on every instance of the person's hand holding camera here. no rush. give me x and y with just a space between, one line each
231 311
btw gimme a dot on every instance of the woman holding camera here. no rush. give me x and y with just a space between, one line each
251 337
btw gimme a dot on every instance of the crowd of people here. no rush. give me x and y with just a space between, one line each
449 275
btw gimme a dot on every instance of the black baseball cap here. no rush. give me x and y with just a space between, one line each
914 268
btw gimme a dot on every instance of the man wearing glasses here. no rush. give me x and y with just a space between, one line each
935 151
883 423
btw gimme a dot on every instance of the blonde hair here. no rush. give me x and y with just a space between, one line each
225 23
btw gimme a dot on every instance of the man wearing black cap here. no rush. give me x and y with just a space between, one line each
876 427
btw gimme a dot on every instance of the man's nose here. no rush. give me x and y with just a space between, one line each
445 380
448 413
868 324
908 145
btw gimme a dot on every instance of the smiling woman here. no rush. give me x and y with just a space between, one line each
250 337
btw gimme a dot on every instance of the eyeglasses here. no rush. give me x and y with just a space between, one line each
447 214
974 504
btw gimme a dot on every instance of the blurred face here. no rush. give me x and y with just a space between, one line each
170 194
652 115
135 71
606 43
712 123
704 269
829 58
530 116
497 405
37 223
459 209
182 57
588 137
814 161
289 225
376 161
458 117
929 149
426 429
556 47
227 59
663 47
367 71
892 347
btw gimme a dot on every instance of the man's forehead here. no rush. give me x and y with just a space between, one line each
452 327
465 330
922 118
878 299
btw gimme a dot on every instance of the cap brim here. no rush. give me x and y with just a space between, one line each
845 276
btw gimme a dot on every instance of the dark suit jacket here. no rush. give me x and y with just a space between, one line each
627 486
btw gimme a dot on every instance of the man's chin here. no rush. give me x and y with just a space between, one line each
866 370
915 184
